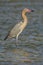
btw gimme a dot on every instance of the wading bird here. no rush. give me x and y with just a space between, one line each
18 28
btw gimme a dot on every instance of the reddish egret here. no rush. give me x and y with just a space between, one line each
18 28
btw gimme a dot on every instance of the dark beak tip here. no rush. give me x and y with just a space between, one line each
32 10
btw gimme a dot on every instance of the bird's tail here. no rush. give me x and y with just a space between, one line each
5 37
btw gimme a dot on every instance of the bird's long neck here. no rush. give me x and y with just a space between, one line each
24 17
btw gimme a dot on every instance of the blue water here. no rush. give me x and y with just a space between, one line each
29 50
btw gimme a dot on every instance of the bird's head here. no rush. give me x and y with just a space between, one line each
27 10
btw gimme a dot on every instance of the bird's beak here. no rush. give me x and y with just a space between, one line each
32 10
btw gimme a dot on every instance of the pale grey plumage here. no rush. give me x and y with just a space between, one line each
15 30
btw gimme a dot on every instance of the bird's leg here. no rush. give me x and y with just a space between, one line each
17 37
16 40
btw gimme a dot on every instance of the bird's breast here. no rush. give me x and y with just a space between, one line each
23 25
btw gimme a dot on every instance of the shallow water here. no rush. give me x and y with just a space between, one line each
29 50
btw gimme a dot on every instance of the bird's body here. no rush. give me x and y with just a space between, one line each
15 31
18 28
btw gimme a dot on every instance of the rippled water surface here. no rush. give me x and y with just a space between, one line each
29 50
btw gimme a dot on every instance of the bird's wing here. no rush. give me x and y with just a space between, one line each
16 29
